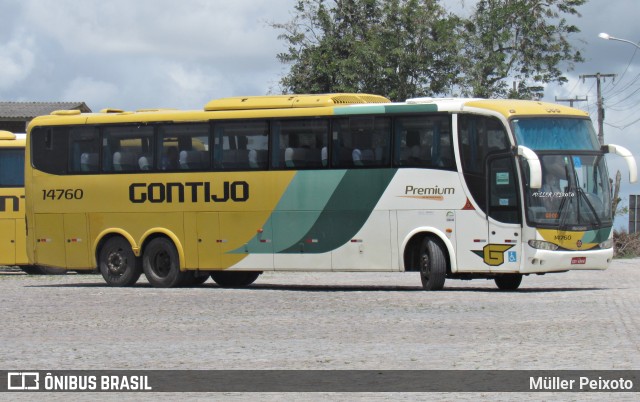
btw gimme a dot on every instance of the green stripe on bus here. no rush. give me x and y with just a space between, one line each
346 110
297 211
385 109
596 236
346 212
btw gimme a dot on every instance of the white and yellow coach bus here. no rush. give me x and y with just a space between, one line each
449 188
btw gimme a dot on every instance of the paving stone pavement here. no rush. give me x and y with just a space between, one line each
575 320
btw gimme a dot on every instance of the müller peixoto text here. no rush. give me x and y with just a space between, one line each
579 384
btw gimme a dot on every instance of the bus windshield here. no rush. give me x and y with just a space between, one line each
555 133
574 193
575 188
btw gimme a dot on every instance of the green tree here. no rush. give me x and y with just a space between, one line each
410 48
398 48
517 40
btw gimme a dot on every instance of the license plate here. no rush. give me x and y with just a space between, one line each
578 260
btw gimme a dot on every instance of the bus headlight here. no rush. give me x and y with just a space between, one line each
543 245
606 244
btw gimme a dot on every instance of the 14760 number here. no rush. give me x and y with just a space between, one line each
63 194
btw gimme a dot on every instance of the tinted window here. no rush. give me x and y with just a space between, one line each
503 190
479 137
127 148
299 144
11 167
361 141
184 147
423 141
85 149
49 149
241 145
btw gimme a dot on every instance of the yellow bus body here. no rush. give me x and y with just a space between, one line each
12 209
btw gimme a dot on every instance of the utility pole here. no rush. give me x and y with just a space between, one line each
598 76
572 100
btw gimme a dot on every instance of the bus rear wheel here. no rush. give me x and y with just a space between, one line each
118 265
236 279
433 265
508 281
161 264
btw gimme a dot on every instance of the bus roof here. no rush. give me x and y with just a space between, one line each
307 104
292 101
9 139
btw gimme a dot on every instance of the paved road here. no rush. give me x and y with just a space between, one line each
575 320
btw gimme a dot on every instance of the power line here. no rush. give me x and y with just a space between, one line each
572 100
599 76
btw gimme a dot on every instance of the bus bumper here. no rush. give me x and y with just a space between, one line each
541 261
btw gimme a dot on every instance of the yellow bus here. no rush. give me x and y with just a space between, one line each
447 188
12 225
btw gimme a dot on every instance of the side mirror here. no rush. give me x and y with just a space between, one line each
628 157
535 170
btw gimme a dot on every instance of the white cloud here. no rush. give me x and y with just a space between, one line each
191 29
189 85
16 61
90 91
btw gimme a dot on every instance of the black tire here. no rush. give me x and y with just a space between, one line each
433 265
38 270
31 269
236 279
508 281
53 271
90 271
117 263
161 264
191 279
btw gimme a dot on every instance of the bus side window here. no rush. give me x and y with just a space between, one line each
241 145
361 141
423 141
123 147
184 146
85 149
299 144
11 167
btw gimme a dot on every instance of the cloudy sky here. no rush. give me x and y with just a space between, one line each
134 54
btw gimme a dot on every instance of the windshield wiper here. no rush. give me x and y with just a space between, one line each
582 193
563 217
563 203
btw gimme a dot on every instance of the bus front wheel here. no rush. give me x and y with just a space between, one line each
161 264
433 265
118 265
508 281
236 279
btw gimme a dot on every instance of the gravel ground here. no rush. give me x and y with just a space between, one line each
574 320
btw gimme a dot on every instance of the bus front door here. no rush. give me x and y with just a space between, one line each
503 253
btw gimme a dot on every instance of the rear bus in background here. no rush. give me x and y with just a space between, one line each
12 225
447 188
